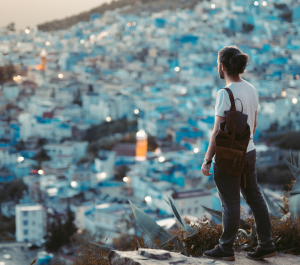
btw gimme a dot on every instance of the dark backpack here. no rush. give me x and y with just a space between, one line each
232 141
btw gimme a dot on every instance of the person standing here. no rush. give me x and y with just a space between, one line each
231 65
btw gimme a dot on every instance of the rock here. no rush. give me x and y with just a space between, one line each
219 263
208 261
134 258
150 257
154 253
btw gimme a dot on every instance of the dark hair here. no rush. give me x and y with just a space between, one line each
233 59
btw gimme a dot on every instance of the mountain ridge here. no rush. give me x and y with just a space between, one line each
134 7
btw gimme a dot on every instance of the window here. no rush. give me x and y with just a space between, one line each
189 211
25 213
196 210
33 213
182 211
25 232
25 222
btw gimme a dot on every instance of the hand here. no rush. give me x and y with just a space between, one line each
205 169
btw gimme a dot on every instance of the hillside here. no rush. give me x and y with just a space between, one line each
134 7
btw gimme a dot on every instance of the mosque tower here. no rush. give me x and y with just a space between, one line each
43 56
141 145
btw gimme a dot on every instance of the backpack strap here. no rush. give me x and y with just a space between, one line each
232 108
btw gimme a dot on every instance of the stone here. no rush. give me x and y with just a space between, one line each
134 258
150 257
208 261
154 253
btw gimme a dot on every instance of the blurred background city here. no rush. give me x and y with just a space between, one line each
117 103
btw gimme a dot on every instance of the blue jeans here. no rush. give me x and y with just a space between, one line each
229 188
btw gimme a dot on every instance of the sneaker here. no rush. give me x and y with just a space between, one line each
217 253
261 254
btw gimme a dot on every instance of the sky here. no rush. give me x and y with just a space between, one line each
32 12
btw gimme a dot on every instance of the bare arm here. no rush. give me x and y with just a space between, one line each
211 148
255 123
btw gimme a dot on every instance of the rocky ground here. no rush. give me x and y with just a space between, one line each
162 257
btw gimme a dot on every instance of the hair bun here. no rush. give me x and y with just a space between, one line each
234 60
238 62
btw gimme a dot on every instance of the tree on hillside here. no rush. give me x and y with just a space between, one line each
60 231
40 157
69 227
12 190
7 72
56 238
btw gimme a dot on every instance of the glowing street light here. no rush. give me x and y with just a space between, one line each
297 76
213 6
108 119
101 176
60 76
41 172
82 41
47 43
125 179
148 199
128 24
17 78
141 133
20 159
196 150
177 69
74 184
283 94
294 100
161 159
92 38
136 111
256 3
27 31
183 91
264 3
133 24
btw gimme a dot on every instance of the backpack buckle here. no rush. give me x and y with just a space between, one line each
234 162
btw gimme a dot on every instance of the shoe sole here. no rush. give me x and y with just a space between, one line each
274 254
222 258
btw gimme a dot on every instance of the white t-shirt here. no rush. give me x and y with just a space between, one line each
249 97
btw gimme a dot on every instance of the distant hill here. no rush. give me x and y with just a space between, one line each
134 7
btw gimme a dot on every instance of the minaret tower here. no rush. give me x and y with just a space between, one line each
141 145
43 56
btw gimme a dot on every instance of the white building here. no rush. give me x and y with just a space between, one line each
65 95
28 124
8 156
10 92
80 211
30 222
68 148
104 164
267 156
8 209
104 218
188 202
